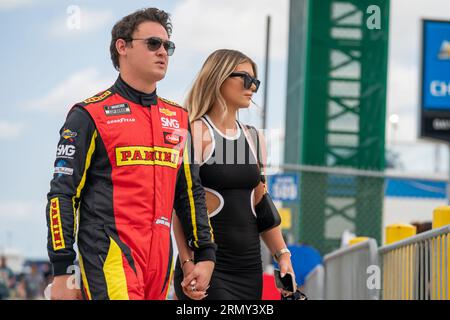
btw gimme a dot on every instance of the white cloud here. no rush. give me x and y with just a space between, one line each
77 87
79 20
202 26
23 227
17 210
14 4
406 27
10 130
404 62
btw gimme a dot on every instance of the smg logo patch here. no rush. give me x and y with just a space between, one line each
56 226
117 109
65 151
170 123
147 156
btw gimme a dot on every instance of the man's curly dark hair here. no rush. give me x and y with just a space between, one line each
124 28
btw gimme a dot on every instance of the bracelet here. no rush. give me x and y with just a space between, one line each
187 260
280 252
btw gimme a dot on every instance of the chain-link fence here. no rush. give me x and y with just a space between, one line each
333 202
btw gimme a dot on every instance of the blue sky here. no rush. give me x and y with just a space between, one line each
45 68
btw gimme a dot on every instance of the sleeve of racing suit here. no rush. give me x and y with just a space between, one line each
73 156
190 207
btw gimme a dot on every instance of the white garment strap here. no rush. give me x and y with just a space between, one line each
213 139
251 144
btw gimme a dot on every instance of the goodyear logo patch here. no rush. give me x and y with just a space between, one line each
56 226
147 156
117 110
101 97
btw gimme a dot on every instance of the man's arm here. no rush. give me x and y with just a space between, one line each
190 207
187 264
73 157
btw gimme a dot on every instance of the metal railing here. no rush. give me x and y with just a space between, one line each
346 272
417 268
314 283
389 173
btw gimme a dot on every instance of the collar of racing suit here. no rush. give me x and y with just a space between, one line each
129 93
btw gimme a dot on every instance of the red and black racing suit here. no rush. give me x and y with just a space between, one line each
123 161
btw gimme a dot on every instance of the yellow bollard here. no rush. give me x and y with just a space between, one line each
397 232
441 217
356 240
448 267
394 233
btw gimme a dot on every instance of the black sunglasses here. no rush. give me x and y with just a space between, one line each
154 43
248 80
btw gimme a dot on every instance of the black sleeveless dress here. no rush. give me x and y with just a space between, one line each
231 173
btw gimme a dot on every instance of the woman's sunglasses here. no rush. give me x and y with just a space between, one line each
154 43
248 80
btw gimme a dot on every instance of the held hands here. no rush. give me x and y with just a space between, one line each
196 279
191 289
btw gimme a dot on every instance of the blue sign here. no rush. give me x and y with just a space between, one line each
283 187
436 65
412 188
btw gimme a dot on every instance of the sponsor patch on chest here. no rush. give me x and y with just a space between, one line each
117 109
171 138
170 123
147 156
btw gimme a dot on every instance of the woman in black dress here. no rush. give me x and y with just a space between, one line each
227 152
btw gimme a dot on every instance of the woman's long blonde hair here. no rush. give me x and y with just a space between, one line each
206 88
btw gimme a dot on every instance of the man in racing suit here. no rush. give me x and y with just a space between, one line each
123 161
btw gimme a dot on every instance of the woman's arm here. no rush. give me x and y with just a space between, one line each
194 275
273 238
274 241
186 256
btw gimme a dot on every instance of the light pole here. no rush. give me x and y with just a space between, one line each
394 119
266 74
437 157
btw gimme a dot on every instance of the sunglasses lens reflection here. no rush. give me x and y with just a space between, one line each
155 43
248 80
170 47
